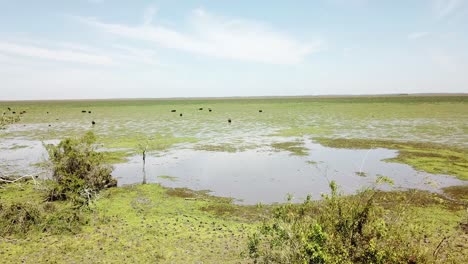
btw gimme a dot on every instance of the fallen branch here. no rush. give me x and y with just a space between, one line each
3 179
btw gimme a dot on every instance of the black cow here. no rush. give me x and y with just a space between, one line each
89 112
201 108
93 123
173 111
83 111
260 111
209 109
229 120
180 114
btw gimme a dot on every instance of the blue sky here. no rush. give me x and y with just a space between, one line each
145 49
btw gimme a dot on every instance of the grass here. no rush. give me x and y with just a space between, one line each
114 157
150 223
294 147
428 157
143 223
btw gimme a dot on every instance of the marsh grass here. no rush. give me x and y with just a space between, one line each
428 157
296 148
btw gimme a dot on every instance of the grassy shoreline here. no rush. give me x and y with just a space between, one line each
141 223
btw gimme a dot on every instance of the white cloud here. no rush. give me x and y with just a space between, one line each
417 35
220 37
446 8
66 55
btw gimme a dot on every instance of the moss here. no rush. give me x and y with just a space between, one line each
428 157
294 147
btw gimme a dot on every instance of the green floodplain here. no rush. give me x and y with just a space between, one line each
150 223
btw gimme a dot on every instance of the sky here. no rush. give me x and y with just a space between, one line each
85 49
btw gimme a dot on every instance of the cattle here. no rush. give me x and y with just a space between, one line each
14 112
89 112
173 111
47 112
260 111
93 123
83 111
209 109
180 114
229 121
201 108
9 109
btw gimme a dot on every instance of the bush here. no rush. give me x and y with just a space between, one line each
18 218
336 230
79 171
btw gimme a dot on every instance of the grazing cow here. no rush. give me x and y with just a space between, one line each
83 111
260 111
180 114
201 108
89 112
14 112
9 109
229 120
47 113
173 111
209 109
93 123
50 125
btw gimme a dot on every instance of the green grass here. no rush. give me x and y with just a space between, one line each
139 224
150 223
295 147
428 157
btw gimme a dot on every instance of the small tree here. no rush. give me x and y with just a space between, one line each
79 171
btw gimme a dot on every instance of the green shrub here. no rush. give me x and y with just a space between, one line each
79 171
18 218
337 229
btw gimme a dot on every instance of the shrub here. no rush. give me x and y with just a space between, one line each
18 218
79 171
337 229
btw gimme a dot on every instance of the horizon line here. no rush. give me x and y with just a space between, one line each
238 97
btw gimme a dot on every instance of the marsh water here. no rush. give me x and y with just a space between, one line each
239 160
266 176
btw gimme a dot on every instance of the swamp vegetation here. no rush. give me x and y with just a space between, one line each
77 215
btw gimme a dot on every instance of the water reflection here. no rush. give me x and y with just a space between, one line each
261 175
